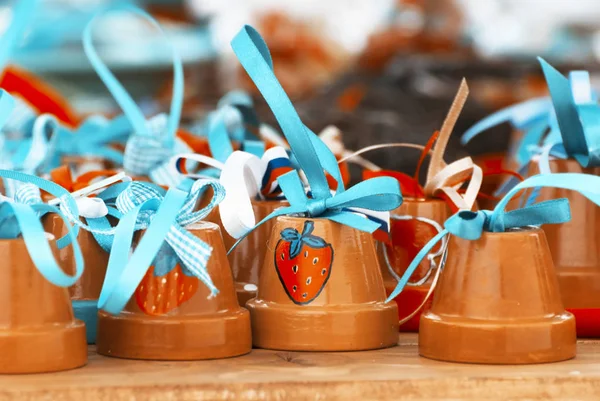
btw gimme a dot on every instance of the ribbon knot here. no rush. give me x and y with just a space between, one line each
466 224
364 206
164 216
316 207
21 216
471 225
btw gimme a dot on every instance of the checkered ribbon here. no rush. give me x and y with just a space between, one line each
191 251
148 155
28 194
20 216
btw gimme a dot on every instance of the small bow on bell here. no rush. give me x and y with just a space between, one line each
21 216
577 114
470 225
314 158
573 124
164 217
152 142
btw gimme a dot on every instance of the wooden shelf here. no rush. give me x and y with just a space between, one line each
392 374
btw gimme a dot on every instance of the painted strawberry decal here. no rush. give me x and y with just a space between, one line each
303 263
166 285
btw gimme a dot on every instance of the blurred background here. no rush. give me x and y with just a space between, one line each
380 70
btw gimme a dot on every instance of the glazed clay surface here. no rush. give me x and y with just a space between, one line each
38 332
344 308
247 258
408 237
575 246
172 317
88 287
498 302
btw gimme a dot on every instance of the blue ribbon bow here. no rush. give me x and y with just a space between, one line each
154 141
471 225
313 156
164 217
21 216
577 114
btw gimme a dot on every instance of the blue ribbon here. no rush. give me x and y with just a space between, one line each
92 139
231 122
21 216
521 116
578 119
313 156
151 141
471 225
164 218
22 15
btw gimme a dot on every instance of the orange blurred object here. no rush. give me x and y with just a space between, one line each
41 96
303 58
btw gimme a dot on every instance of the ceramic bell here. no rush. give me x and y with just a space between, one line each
575 249
84 294
421 216
38 331
248 258
171 315
498 302
412 226
320 289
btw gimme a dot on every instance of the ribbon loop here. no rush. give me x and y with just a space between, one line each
164 217
312 155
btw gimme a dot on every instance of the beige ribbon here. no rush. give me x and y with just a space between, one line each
448 178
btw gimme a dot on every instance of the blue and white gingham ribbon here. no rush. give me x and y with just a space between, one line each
153 142
471 225
164 217
21 216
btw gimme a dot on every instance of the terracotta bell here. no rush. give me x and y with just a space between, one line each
171 316
412 226
575 249
84 294
38 331
498 302
321 289
247 258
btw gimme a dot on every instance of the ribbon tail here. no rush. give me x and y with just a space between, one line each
554 211
124 274
194 254
276 213
415 263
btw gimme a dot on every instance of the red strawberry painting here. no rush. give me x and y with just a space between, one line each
166 285
303 263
